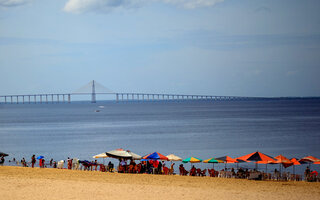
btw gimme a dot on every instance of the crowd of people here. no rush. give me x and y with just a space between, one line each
160 167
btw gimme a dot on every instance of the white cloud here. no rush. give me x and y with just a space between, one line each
12 3
190 4
82 6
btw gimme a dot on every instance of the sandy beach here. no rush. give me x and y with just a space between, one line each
36 183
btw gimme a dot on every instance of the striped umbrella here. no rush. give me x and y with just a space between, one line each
213 160
192 160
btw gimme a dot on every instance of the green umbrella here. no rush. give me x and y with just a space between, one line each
192 160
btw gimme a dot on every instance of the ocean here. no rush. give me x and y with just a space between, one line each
201 129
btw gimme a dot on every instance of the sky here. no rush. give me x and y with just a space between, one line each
255 48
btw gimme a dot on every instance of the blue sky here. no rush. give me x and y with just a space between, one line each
217 47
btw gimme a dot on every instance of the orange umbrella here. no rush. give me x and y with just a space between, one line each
309 159
318 163
294 162
227 159
257 156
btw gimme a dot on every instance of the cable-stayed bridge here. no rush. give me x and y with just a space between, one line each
93 89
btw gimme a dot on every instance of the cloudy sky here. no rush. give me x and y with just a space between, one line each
218 47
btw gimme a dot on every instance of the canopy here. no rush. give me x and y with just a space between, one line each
173 157
101 155
213 160
309 159
227 159
134 155
283 160
40 157
318 163
119 154
257 156
155 156
295 161
3 154
192 160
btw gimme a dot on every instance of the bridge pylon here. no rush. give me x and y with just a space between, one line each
93 94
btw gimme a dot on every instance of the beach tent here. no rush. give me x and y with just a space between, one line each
173 157
3 154
155 156
192 160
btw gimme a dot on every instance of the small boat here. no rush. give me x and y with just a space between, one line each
97 111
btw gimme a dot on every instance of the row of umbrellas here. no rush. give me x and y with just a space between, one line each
257 157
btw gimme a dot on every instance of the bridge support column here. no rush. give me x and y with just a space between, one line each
22 99
117 97
58 98
17 99
46 99
5 99
52 98
69 98
63 98
40 98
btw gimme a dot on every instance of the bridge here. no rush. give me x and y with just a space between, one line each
93 89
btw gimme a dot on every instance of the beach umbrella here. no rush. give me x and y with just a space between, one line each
3 154
40 157
119 153
213 160
155 156
134 155
257 156
294 162
192 160
280 159
318 163
309 159
227 159
173 157
101 155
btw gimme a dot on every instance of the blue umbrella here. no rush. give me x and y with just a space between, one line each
40 157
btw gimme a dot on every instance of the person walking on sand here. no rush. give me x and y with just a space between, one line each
2 160
33 160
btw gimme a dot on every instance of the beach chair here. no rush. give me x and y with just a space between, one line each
102 168
166 170
203 172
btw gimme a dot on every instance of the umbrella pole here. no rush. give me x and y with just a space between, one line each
266 168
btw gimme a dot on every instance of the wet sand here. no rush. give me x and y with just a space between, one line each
36 183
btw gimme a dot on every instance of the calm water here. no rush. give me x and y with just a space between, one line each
200 129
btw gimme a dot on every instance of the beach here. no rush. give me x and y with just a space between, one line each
36 183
